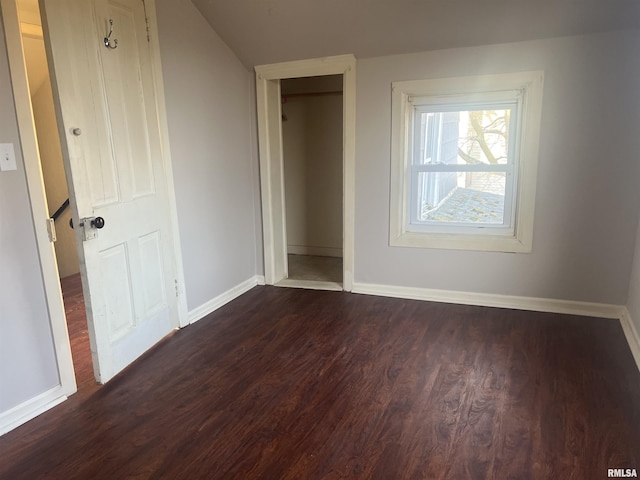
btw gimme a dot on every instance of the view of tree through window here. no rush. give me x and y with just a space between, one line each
461 162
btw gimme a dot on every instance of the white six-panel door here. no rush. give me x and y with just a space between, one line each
113 152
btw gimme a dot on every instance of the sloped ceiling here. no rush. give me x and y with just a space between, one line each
269 31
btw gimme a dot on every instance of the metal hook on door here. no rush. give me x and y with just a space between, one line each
107 39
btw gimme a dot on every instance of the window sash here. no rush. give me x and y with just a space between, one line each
460 167
476 100
507 227
507 219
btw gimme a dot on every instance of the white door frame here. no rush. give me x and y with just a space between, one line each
40 213
272 164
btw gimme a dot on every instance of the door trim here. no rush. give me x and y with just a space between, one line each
272 165
39 209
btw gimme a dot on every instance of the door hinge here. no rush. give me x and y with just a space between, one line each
146 21
51 230
177 289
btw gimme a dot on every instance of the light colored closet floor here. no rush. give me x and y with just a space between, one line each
311 267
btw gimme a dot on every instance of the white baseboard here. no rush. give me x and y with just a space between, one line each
224 298
318 251
30 409
600 310
630 331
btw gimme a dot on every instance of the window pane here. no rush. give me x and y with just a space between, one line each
461 197
468 137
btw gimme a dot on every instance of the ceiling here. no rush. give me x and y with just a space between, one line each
270 31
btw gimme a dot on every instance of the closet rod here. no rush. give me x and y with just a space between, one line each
311 94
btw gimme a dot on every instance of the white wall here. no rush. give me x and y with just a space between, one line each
312 146
295 170
27 358
588 196
210 104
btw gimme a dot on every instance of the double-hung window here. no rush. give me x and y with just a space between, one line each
464 162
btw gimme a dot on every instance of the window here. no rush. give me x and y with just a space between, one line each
464 162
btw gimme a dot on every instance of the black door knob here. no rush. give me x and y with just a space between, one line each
97 222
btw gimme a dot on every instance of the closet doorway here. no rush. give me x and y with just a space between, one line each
312 134
306 128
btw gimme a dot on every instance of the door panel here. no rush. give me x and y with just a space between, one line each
118 302
152 276
125 89
116 171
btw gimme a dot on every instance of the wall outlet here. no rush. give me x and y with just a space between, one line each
7 157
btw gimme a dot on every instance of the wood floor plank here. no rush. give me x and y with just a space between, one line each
295 384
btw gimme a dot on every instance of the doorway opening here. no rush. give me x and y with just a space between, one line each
312 134
55 186
314 215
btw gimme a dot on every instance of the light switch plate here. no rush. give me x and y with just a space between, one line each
7 157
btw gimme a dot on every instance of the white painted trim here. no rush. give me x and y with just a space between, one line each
271 172
525 88
630 332
310 284
551 305
38 201
269 113
349 173
161 108
316 251
30 409
212 305
306 68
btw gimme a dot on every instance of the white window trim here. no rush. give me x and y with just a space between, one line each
446 90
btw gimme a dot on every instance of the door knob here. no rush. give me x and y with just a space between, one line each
97 222
89 226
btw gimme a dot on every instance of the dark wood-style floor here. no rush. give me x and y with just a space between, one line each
296 384
78 333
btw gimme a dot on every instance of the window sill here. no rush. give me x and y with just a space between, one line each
452 241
